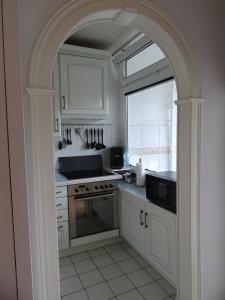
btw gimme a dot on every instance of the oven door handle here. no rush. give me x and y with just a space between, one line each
94 197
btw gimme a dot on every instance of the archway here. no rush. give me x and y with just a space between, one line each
151 20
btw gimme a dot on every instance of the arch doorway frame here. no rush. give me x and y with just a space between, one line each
43 235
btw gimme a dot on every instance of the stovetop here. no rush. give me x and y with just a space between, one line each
71 175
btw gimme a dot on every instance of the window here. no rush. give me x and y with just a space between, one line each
140 59
144 58
151 120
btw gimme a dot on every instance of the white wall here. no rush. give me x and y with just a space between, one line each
202 23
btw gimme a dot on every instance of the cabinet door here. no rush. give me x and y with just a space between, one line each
56 101
133 220
83 87
161 240
63 235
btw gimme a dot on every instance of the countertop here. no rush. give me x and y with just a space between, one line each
61 180
139 192
133 189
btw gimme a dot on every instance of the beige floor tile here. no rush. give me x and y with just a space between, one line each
91 278
99 292
129 265
140 278
120 285
153 291
111 271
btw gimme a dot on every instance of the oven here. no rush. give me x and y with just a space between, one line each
93 208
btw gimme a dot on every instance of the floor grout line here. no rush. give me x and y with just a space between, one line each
117 264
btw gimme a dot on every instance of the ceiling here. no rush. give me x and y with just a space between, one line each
103 35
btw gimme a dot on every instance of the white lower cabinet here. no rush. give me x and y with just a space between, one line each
61 202
133 221
160 235
152 231
63 235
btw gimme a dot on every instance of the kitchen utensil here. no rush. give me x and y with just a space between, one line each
78 132
128 177
67 136
87 144
60 145
70 136
102 145
98 145
94 143
64 139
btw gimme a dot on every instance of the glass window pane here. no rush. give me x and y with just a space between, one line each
144 58
152 123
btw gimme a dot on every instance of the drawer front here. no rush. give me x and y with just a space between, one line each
61 191
63 235
62 215
61 203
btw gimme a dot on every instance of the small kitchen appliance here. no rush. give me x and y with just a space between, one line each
161 189
117 158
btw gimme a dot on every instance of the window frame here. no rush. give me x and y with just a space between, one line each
131 51
125 95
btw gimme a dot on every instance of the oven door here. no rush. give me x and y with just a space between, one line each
93 214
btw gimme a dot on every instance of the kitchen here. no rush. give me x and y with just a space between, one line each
101 130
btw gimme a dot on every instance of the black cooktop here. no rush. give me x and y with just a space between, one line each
85 174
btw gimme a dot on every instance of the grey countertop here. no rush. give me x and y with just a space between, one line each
133 189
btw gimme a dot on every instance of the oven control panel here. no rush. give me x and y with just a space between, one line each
91 188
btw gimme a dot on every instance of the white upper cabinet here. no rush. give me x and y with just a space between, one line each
56 101
83 82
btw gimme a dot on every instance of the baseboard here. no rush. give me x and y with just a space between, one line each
91 242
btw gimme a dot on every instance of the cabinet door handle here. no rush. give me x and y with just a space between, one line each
141 218
59 217
59 192
59 227
63 102
60 204
146 224
57 125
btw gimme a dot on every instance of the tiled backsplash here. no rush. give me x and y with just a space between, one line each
112 137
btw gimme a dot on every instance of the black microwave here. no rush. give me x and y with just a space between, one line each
161 189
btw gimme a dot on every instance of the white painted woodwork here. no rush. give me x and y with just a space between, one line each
83 84
61 203
43 235
161 241
85 240
62 215
61 191
8 276
56 101
63 235
152 231
132 215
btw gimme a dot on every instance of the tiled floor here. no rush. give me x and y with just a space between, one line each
109 273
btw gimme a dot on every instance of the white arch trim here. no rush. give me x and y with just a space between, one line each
150 19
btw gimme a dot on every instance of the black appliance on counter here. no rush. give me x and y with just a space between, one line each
117 158
161 189
79 167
